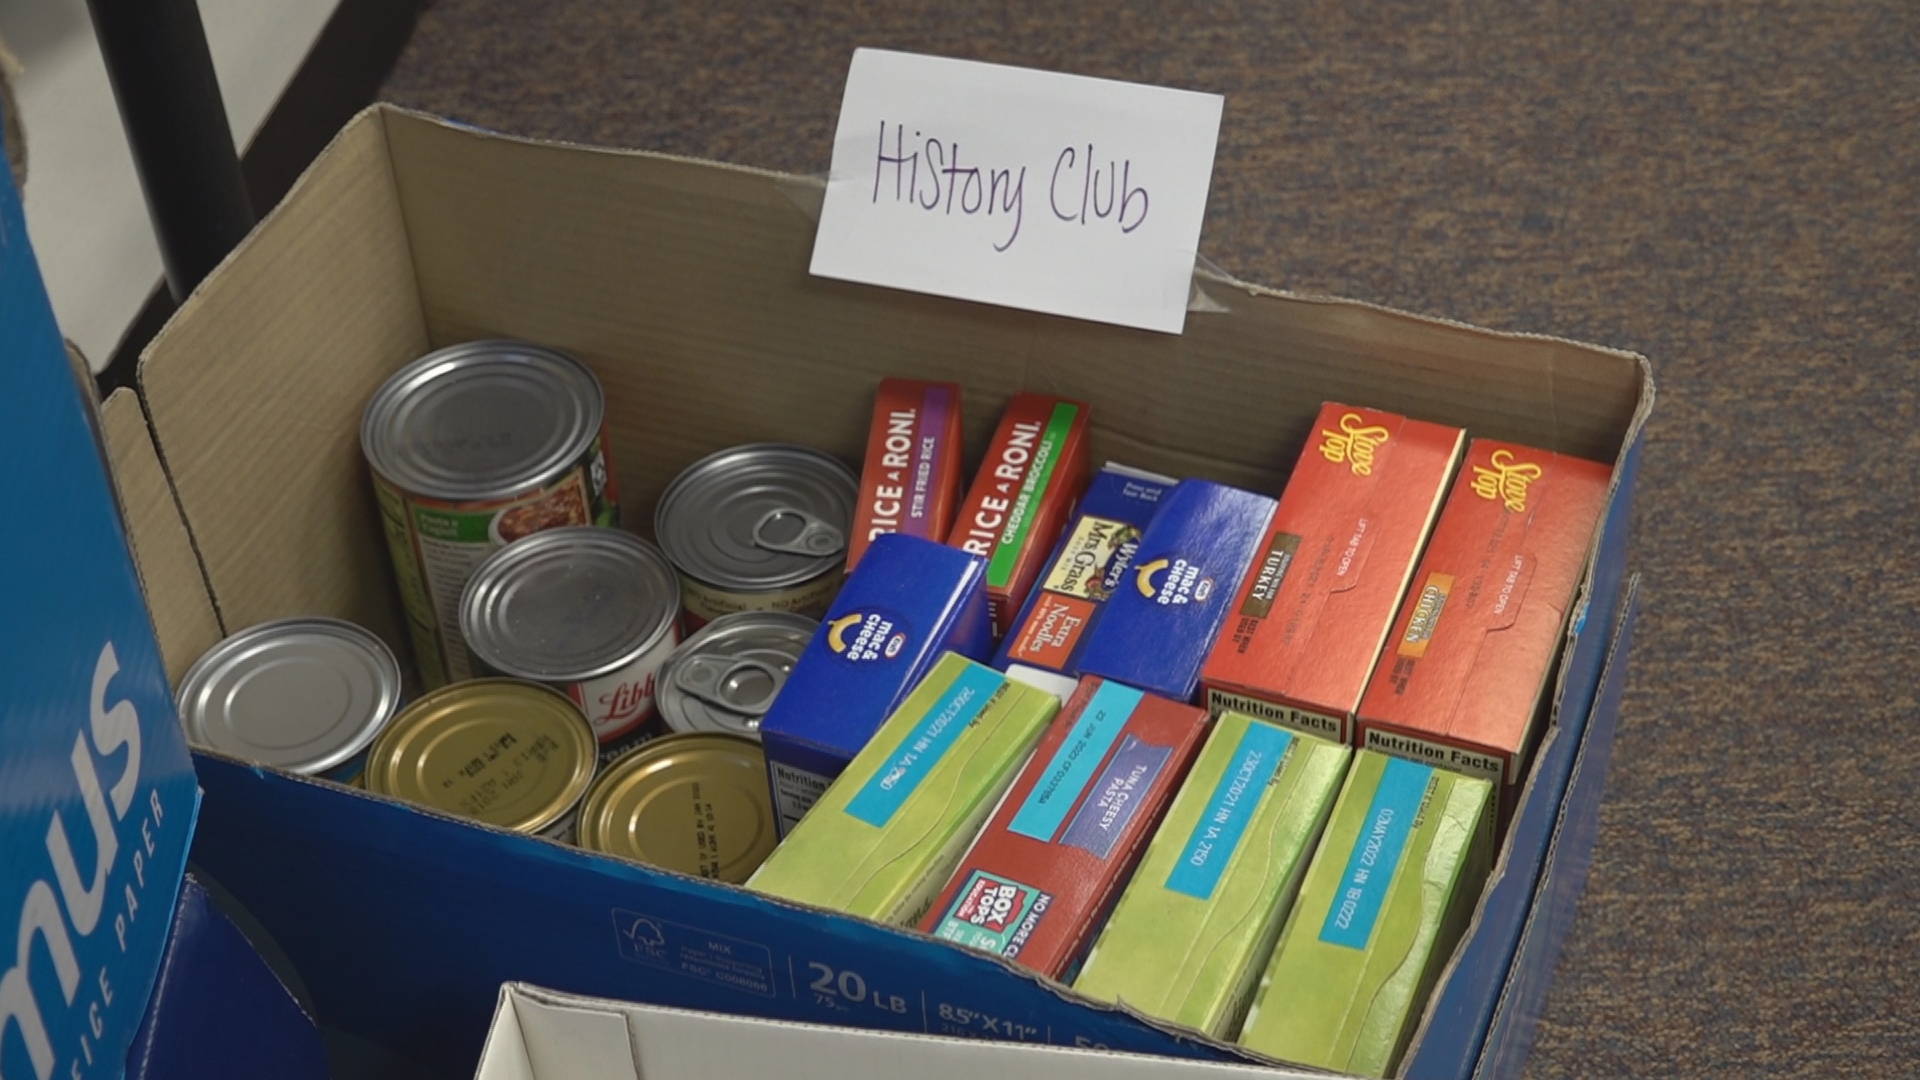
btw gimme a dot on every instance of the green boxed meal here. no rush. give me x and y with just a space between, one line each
1394 883
884 838
1190 935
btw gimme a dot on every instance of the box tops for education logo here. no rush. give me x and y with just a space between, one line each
1173 581
1505 479
1354 444
994 914
874 635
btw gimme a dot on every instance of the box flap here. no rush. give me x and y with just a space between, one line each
566 1038
183 615
273 364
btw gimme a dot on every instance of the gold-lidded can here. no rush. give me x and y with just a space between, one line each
696 804
511 754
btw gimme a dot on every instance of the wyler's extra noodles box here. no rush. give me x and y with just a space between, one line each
1193 931
1386 898
1464 671
1090 562
911 481
1020 499
909 601
1042 877
886 836
1160 624
1316 605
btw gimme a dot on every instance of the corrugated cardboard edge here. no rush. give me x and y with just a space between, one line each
685 1044
163 554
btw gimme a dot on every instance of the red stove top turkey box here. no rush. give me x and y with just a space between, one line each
1311 616
911 480
1044 874
1023 496
1461 680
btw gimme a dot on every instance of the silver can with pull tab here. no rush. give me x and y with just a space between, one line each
761 527
725 677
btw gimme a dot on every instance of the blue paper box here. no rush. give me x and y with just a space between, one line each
908 601
97 797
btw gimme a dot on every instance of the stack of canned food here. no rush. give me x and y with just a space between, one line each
559 696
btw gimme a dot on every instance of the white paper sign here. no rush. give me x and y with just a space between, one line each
1029 189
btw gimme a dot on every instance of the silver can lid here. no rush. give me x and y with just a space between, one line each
481 421
304 695
725 677
759 517
568 604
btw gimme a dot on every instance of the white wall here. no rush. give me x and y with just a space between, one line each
84 208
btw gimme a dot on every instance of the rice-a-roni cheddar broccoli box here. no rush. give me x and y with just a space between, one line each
1385 899
1191 933
886 836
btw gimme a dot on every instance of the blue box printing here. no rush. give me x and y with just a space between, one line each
908 601
1160 623
97 795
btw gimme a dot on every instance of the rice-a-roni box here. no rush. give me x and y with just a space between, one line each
1386 897
1194 928
886 836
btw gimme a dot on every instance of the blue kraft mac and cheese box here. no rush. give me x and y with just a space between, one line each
1161 620
908 601
1044 644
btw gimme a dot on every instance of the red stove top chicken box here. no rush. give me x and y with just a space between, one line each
1466 666
1315 607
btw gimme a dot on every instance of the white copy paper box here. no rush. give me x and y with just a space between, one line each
1029 189
545 1035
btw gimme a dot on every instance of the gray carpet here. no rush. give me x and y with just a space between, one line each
1730 188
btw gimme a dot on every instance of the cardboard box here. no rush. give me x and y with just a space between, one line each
97 798
1194 929
1386 897
910 482
886 835
1472 650
408 233
910 601
1043 647
1159 626
1022 496
540 1034
1039 881
1315 607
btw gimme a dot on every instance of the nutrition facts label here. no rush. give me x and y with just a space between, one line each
449 563
794 793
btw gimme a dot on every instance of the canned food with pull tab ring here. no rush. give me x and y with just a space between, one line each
726 677
761 527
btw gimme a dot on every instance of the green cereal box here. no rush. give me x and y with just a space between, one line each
1190 935
886 836
1391 888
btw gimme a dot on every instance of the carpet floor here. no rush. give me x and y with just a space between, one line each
1732 188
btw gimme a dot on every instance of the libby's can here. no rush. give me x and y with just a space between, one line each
304 695
695 804
726 676
471 448
511 754
590 612
761 527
